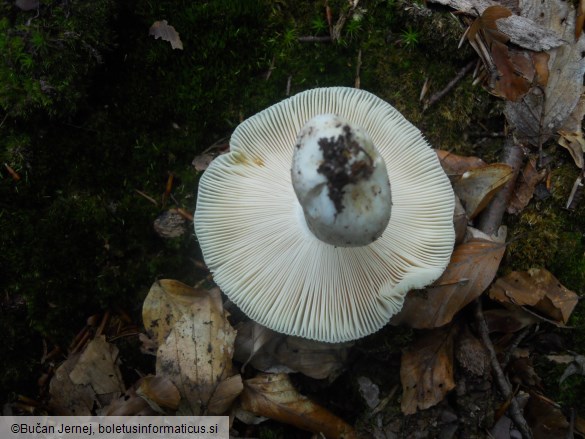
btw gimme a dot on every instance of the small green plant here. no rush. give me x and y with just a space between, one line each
410 37
319 25
353 27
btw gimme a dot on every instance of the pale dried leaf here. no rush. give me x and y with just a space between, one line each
477 187
460 284
369 391
273 396
98 367
573 124
197 354
129 404
536 288
576 367
544 110
161 29
68 398
224 395
201 162
166 303
269 351
159 392
527 180
426 371
575 144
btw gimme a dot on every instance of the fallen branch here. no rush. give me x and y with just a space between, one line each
503 383
491 218
458 77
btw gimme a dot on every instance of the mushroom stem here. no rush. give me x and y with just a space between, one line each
341 182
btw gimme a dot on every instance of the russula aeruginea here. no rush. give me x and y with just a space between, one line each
328 209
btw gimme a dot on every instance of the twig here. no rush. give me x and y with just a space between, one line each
458 77
515 343
311 39
501 379
491 218
148 197
288 82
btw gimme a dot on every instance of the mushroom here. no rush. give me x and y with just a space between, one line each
328 209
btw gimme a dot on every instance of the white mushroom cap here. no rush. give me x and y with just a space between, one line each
256 241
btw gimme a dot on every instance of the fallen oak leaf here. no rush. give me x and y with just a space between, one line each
527 180
538 289
273 396
478 186
459 285
162 29
197 357
426 371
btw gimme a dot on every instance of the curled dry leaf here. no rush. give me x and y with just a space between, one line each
269 351
166 303
457 165
197 357
162 29
159 392
98 367
546 420
538 289
522 31
68 398
527 180
274 396
544 110
461 283
575 144
426 371
510 73
478 186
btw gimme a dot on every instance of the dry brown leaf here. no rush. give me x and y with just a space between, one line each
580 20
426 371
543 111
508 320
98 367
159 392
536 288
224 395
129 404
68 398
510 72
472 268
522 31
545 419
460 221
197 354
455 165
271 352
575 144
274 396
478 186
162 29
166 303
527 180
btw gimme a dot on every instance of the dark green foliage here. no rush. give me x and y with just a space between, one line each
47 54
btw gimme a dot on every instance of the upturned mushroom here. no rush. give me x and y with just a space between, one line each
328 209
